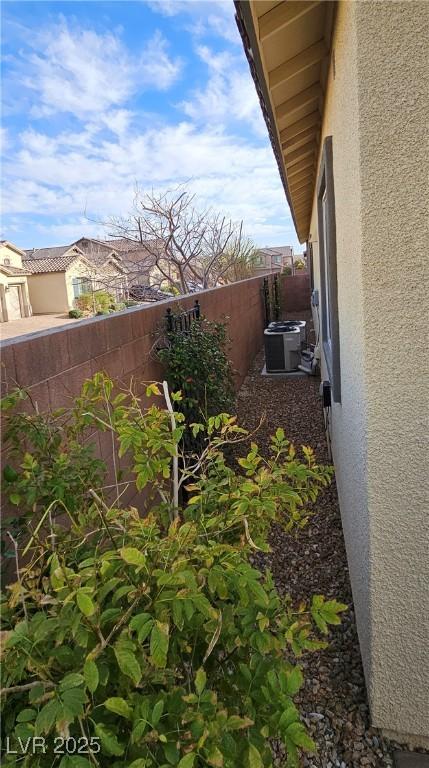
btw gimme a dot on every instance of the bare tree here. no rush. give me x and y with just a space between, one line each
180 245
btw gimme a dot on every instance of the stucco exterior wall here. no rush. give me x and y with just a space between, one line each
348 419
8 253
393 83
48 293
15 260
376 112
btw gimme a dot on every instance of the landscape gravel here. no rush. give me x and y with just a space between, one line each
333 699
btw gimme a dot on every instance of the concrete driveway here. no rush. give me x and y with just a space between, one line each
32 324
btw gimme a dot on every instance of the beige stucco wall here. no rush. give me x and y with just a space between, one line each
393 70
15 260
9 253
78 269
48 293
374 111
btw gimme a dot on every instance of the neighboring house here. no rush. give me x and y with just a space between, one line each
14 299
344 90
57 276
145 262
273 259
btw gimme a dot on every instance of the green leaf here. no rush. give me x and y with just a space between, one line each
46 717
294 682
299 736
141 762
235 723
290 715
73 680
108 740
171 753
254 757
127 660
9 474
85 603
73 700
15 499
159 641
187 761
200 681
157 712
90 674
26 715
132 556
215 757
119 706
143 623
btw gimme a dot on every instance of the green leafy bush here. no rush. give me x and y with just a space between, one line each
132 303
94 303
197 364
50 466
287 271
75 313
155 637
299 264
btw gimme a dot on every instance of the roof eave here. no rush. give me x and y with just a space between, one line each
296 160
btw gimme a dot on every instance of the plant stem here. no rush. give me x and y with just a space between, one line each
25 687
176 454
18 575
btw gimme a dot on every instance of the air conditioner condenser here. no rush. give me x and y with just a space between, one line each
282 349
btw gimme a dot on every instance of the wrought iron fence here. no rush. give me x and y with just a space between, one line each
181 323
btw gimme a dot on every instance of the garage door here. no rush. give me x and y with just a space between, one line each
13 303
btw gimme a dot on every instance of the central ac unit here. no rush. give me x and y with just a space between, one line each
283 325
282 348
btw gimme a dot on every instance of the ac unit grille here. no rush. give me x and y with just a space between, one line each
274 352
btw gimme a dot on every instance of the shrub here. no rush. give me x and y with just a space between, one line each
98 301
75 313
50 466
299 264
197 364
287 271
155 637
132 303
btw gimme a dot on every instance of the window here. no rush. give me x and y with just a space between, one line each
81 285
328 269
6 262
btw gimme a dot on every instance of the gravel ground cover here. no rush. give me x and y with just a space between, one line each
333 698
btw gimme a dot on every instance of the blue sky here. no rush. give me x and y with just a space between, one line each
99 97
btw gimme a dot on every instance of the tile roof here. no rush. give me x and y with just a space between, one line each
10 270
58 264
49 253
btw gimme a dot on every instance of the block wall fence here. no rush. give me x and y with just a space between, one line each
52 365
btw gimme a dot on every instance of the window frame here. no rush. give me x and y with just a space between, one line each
328 268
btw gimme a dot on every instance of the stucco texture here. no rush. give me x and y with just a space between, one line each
393 86
376 112
48 293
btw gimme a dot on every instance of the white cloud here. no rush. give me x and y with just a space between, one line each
229 93
62 179
90 164
207 17
81 72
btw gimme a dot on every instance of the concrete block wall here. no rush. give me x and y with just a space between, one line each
52 365
295 292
